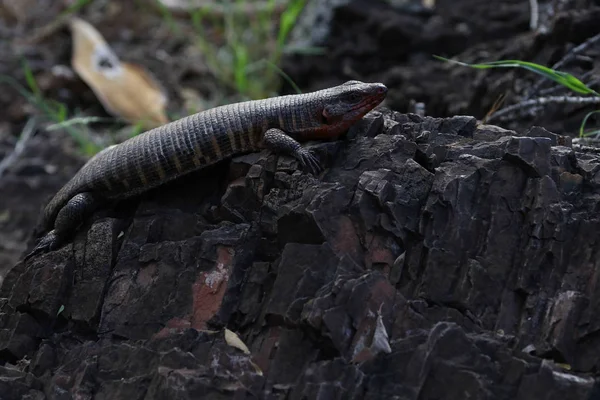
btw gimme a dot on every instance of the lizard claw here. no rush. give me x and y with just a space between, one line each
309 161
46 243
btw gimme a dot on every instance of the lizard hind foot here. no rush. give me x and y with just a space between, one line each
47 243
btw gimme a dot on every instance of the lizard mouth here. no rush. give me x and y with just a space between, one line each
369 103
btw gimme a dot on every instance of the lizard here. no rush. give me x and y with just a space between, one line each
170 151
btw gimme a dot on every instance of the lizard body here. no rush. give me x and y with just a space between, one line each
167 152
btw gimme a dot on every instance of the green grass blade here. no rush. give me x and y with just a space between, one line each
288 20
283 75
592 133
305 50
241 62
73 8
59 110
77 121
563 78
582 126
30 79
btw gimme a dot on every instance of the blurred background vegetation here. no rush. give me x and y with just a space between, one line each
234 46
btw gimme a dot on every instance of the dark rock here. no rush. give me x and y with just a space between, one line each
351 311
491 133
433 258
531 154
18 335
16 384
89 284
557 140
371 125
299 278
330 379
186 364
205 270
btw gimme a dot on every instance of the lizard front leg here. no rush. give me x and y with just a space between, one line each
69 218
278 141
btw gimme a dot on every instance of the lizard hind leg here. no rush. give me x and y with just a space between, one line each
68 219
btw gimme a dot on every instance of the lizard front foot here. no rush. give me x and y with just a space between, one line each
308 161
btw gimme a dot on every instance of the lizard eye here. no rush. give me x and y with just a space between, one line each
353 97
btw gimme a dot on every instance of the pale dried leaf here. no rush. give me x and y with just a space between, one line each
256 367
234 340
380 337
125 90
182 4
217 7
4 216
373 340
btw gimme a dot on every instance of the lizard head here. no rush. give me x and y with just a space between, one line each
345 104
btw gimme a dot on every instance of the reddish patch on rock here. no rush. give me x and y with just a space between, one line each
379 253
210 287
346 239
174 326
267 349
382 293
146 275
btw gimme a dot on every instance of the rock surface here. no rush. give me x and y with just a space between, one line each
433 259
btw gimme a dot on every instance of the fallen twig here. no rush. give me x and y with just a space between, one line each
26 134
587 141
180 8
45 31
576 51
534 14
544 100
